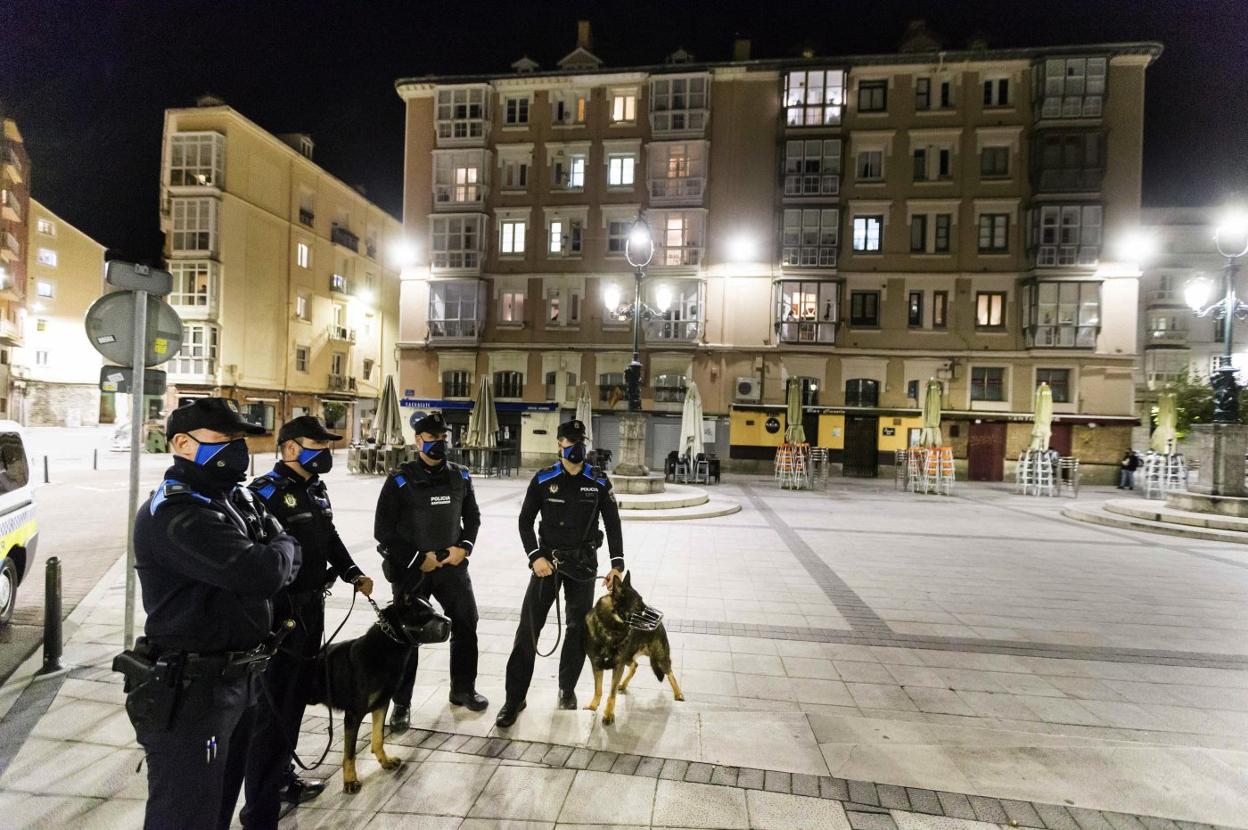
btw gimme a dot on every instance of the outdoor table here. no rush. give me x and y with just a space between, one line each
485 461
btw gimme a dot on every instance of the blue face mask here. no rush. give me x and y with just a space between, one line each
317 462
575 454
434 449
223 460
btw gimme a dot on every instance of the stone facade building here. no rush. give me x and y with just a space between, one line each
853 224
280 274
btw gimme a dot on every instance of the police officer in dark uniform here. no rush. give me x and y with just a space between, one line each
209 560
295 493
570 496
426 523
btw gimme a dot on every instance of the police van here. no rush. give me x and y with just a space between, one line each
18 531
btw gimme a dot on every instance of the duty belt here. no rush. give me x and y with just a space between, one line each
228 664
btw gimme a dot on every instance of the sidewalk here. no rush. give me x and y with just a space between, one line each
852 659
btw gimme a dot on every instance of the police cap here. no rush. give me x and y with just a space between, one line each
573 430
433 423
305 426
217 414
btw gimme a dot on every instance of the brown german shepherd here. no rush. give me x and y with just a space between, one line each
616 634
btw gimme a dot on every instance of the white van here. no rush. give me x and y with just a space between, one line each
19 532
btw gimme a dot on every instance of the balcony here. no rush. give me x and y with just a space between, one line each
459 196
338 284
806 331
13 169
10 248
455 331
1165 296
1070 180
306 217
341 236
10 333
341 334
687 189
676 256
341 383
672 331
10 207
193 369
1167 337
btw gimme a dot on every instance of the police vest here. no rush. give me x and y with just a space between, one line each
434 504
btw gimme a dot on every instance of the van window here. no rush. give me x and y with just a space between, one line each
14 473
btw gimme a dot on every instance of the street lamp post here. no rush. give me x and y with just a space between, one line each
639 250
1231 238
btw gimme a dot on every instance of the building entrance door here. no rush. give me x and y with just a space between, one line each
985 453
861 459
1061 439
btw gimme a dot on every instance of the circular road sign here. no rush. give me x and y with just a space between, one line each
110 328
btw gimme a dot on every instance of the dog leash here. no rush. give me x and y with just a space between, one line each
537 633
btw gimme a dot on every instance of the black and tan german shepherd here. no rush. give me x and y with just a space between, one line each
614 638
359 676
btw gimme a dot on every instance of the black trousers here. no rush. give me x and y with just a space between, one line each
578 598
451 586
288 678
195 768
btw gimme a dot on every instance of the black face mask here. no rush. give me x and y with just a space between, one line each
317 462
575 454
434 449
224 461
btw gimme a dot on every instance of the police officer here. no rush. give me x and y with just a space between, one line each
427 522
208 558
295 493
570 496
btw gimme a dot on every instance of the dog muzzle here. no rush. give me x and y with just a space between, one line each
437 629
647 619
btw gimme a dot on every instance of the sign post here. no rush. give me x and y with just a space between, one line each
107 321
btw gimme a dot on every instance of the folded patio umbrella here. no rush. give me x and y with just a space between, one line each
794 433
691 423
585 412
1166 433
931 437
388 428
1043 429
483 422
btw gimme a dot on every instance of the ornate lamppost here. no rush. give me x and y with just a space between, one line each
1222 444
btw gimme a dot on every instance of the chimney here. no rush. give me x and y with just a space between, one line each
584 36
741 49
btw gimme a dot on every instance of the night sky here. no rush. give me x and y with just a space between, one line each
88 81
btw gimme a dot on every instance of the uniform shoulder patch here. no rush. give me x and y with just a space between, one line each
171 489
546 475
400 479
463 471
266 485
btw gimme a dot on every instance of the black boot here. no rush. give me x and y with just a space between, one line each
298 790
400 718
507 714
567 699
471 699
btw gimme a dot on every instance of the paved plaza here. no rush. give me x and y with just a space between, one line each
851 658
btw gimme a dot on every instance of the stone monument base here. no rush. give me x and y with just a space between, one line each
637 485
1220 448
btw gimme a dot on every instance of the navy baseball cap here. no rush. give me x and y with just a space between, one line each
572 430
217 414
305 426
433 423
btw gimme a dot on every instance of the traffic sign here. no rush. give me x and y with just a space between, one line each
110 328
121 379
132 277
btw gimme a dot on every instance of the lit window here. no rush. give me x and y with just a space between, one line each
303 254
193 283
41 358
565 237
814 98
45 289
990 309
623 107
47 256
868 233
301 307
511 236
196 159
620 170
511 307
46 227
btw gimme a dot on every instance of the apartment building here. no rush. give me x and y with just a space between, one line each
60 369
280 271
14 228
1173 340
856 225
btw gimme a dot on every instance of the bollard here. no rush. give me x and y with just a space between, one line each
95 459
253 463
45 469
51 618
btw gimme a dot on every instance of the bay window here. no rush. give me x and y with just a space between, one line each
459 177
194 286
677 170
1067 235
1062 314
678 304
679 103
198 355
806 311
812 168
1070 87
194 226
456 242
678 236
196 159
670 387
814 98
455 309
462 113
810 237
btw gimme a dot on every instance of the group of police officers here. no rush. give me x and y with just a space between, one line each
234 581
